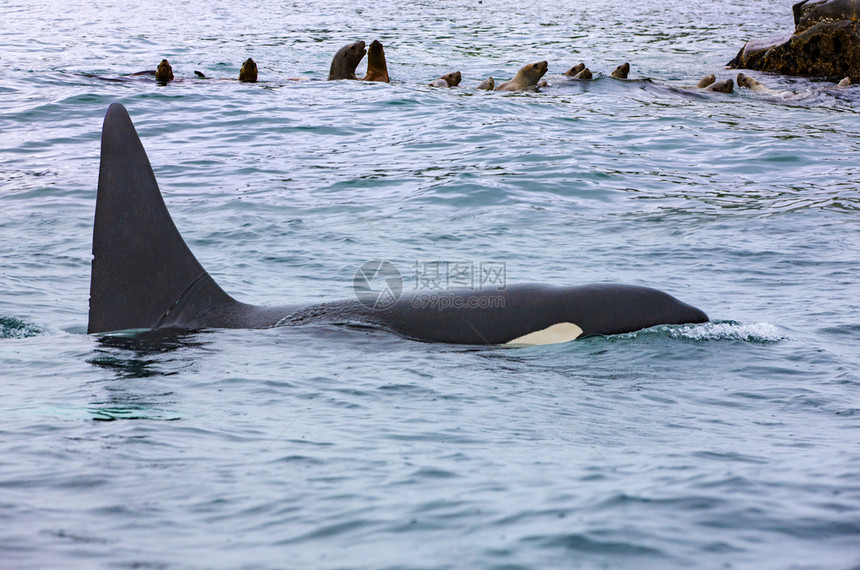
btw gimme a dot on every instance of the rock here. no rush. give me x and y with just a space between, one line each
825 43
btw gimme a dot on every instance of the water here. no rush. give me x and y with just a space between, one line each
732 443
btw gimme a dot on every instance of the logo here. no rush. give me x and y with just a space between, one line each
377 284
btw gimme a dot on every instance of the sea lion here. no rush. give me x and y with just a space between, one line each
706 80
710 83
575 69
726 86
248 72
487 84
144 276
755 85
621 71
584 75
377 70
526 78
164 72
346 60
750 83
448 80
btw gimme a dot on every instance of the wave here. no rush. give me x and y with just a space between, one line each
12 327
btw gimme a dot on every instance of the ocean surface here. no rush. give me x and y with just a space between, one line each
732 444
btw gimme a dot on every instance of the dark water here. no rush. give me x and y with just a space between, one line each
729 444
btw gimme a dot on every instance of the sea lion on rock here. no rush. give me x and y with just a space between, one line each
448 80
346 60
487 84
248 72
526 78
621 71
575 69
377 70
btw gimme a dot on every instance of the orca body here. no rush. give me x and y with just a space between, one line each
144 276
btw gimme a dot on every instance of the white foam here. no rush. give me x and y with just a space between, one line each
12 327
715 330
728 330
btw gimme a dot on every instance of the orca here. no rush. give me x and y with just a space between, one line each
144 276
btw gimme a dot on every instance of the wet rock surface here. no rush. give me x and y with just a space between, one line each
825 43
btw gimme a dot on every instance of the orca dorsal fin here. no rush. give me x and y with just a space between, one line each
142 270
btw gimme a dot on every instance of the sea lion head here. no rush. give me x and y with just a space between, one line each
621 71
534 71
164 72
375 52
750 83
488 84
575 69
346 60
248 73
377 69
726 86
706 80
526 78
585 74
452 79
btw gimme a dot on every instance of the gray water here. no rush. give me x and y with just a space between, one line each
728 444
